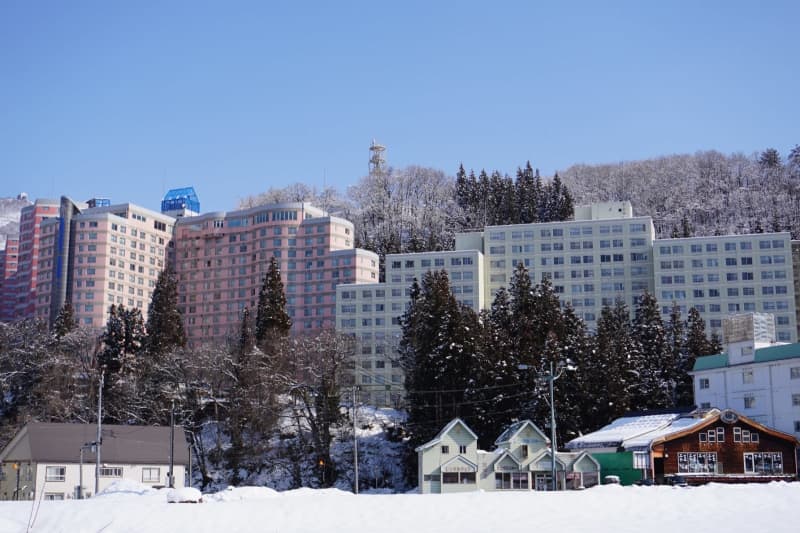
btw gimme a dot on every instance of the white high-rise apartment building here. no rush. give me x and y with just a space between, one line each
602 255
605 253
371 312
729 274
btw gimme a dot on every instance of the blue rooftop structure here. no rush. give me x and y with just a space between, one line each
178 199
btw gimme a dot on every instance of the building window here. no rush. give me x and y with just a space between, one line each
107 471
796 400
763 463
749 402
747 376
704 383
462 449
53 496
524 451
445 450
461 478
697 462
794 372
151 474
510 480
55 473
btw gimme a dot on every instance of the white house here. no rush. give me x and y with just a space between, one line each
753 376
521 460
43 460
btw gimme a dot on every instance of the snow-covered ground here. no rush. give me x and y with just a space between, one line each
712 508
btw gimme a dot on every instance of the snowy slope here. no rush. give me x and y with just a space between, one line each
728 508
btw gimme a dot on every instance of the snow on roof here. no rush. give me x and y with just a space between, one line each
445 430
622 429
679 424
515 428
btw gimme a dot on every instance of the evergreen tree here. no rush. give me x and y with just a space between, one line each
239 406
769 159
118 359
272 320
165 329
654 365
65 321
495 390
676 340
437 352
614 377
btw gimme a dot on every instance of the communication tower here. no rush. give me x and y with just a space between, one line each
377 164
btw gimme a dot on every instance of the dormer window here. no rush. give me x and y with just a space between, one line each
523 450
445 450
462 449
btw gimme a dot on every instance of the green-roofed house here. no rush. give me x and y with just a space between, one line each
755 377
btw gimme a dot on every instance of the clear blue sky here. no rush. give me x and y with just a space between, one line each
128 99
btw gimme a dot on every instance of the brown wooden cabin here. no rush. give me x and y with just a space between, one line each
726 448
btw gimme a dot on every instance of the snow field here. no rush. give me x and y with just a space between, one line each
715 507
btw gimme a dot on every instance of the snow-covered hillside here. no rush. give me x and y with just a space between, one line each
132 508
9 216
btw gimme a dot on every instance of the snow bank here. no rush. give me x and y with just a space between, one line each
184 495
124 488
242 493
715 507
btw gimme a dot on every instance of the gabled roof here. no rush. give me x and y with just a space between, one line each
546 453
617 432
776 352
445 430
50 442
460 459
713 418
514 429
502 456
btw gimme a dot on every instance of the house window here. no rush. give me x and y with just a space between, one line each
712 435
703 437
151 475
747 376
749 402
797 426
462 449
763 463
794 372
461 478
54 496
524 450
796 400
445 450
510 480
55 473
697 462
737 434
704 383
107 471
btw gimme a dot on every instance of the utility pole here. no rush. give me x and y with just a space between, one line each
172 445
551 379
99 439
355 443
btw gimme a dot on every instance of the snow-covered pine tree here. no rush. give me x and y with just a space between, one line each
65 320
165 329
272 320
613 377
437 352
654 363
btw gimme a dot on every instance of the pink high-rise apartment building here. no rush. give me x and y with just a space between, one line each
221 260
97 256
30 222
8 269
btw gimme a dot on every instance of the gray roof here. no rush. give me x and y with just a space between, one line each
50 442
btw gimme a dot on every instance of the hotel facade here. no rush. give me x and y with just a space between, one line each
603 254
